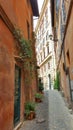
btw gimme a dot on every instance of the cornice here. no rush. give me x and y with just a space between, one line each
44 6
6 20
46 59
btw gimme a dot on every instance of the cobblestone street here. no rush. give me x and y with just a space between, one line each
41 120
59 115
51 114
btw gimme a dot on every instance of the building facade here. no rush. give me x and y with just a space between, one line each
45 47
16 67
63 23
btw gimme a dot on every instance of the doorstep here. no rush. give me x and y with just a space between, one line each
18 126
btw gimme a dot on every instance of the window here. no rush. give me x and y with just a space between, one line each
68 57
57 6
43 41
47 49
48 65
28 30
44 67
63 20
47 35
44 52
63 13
42 70
41 56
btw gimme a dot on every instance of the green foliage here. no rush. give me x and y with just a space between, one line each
38 95
26 47
27 112
30 106
25 44
57 82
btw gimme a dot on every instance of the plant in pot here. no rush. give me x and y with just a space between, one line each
29 110
38 97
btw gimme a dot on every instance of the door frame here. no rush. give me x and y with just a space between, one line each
17 95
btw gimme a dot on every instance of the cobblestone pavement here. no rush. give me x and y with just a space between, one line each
53 112
41 120
59 115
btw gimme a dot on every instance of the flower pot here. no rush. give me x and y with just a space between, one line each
31 115
38 100
41 92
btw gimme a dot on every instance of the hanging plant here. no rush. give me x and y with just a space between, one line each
25 44
26 48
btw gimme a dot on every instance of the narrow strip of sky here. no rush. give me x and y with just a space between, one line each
40 3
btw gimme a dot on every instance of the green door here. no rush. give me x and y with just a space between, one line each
17 95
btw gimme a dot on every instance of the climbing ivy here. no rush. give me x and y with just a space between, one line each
26 45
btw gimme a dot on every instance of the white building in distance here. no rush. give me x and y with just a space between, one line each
45 47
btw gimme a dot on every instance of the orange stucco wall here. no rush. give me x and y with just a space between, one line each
6 78
18 13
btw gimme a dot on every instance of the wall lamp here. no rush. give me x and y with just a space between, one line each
51 38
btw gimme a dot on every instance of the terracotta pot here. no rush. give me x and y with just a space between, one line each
38 100
41 92
31 115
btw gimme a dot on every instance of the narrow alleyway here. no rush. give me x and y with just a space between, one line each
51 114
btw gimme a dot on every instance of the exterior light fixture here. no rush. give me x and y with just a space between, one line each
50 35
51 38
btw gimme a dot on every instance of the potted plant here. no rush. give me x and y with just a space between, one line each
38 97
29 110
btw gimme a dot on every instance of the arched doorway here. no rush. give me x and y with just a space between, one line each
49 81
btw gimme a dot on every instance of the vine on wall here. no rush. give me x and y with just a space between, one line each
26 45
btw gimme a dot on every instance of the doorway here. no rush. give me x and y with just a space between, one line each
49 81
17 95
